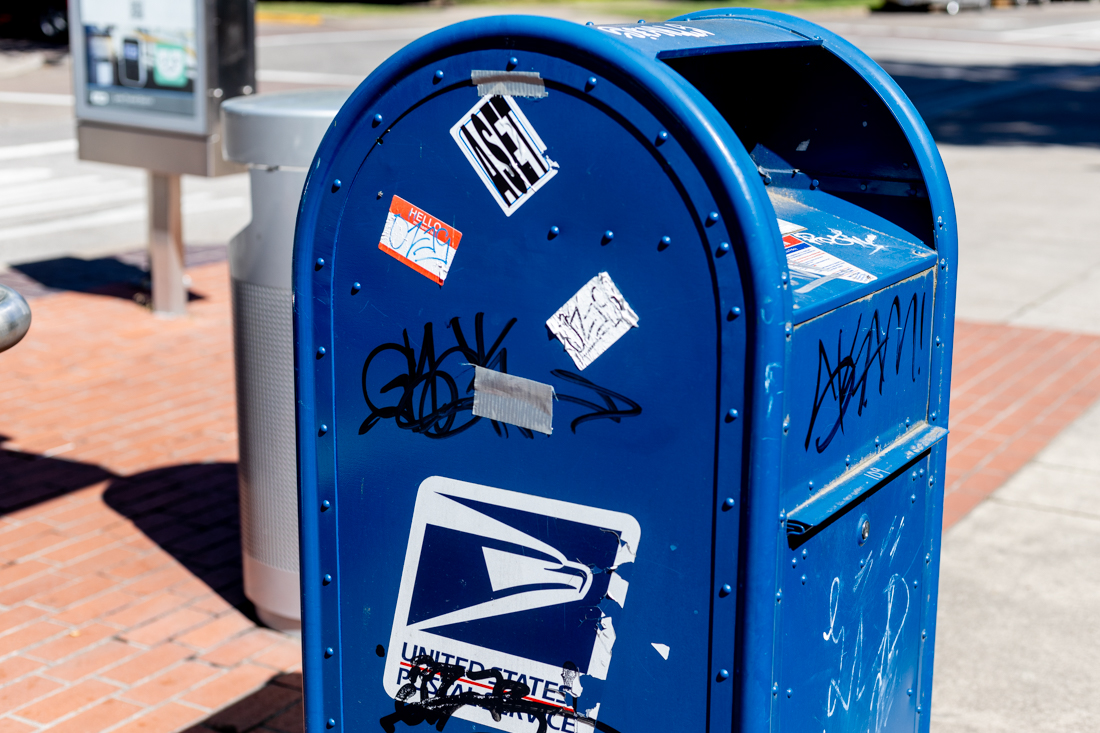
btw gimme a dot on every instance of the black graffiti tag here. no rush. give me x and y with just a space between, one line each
848 378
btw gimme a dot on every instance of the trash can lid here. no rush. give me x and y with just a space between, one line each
281 129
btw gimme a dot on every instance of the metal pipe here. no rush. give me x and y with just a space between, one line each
15 317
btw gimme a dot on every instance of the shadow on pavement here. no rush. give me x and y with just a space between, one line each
123 276
1005 105
27 479
274 708
191 512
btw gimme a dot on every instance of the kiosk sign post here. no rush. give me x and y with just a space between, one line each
149 77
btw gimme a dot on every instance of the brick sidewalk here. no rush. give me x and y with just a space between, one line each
120 592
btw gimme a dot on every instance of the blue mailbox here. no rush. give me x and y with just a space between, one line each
623 357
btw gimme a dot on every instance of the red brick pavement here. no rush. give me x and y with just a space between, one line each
120 598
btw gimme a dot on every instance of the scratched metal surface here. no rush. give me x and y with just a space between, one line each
852 612
674 437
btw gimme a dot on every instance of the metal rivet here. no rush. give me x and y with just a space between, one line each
723 248
590 23
731 415
323 429
913 476
330 723
664 243
329 651
590 84
734 313
933 416
355 288
377 120
378 195
788 329
320 351
513 63
641 21
863 187
862 562
865 530
554 231
847 460
877 441
786 424
909 692
918 710
789 692
438 75
814 183
725 590
943 264
939 220
811 486
608 236
923 634
794 562
803 580
914 584
712 217
865 123
336 185
728 503
723 675
319 263
783 278
326 579
805 554
928 558
767 179
775 688
931 480
662 136
778 595
326 505
912 498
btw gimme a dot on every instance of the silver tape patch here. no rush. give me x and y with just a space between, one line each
508 83
514 400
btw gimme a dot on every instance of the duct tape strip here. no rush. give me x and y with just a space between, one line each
514 400
508 83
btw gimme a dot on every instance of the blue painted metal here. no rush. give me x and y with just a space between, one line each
676 145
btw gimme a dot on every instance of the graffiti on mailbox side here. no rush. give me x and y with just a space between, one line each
845 379
438 689
863 692
431 402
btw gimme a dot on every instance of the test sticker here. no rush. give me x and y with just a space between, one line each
807 259
419 240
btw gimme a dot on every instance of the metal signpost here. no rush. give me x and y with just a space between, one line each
623 359
149 77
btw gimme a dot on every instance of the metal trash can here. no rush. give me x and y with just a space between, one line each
276 135
15 317
623 362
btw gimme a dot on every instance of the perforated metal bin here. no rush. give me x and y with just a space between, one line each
276 136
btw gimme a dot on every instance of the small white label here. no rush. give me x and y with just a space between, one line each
593 319
654 31
505 151
786 227
808 260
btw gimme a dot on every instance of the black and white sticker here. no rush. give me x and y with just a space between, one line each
505 151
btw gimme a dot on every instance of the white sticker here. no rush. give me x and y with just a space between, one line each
495 607
786 227
593 319
662 649
654 31
809 261
505 151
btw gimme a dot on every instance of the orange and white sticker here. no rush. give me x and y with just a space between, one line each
418 239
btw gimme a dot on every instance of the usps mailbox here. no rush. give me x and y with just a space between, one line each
622 370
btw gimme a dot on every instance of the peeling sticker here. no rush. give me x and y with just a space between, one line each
419 240
507 154
497 582
508 83
514 400
803 146
592 320
808 261
654 31
662 649
616 589
786 227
